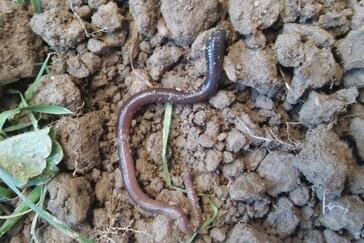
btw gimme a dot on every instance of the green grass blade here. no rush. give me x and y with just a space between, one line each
6 115
23 104
9 181
30 91
22 207
35 219
17 127
166 127
48 109
36 6
19 1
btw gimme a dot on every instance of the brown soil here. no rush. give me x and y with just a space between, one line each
279 148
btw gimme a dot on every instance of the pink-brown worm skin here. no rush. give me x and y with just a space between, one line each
214 57
192 196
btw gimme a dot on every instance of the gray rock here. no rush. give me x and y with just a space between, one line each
351 49
325 161
344 213
277 168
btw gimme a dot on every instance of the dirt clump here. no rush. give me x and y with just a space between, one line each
108 17
83 65
350 49
344 213
79 138
249 187
162 59
58 89
18 45
145 14
70 198
321 108
248 17
248 233
185 19
284 218
59 28
277 168
357 131
325 155
254 68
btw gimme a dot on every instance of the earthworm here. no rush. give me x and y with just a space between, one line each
214 55
192 196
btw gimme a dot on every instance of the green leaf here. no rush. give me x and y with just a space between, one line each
9 181
51 169
24 156
22 207
48 109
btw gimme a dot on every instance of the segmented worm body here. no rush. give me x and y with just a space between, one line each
192 196
214 57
